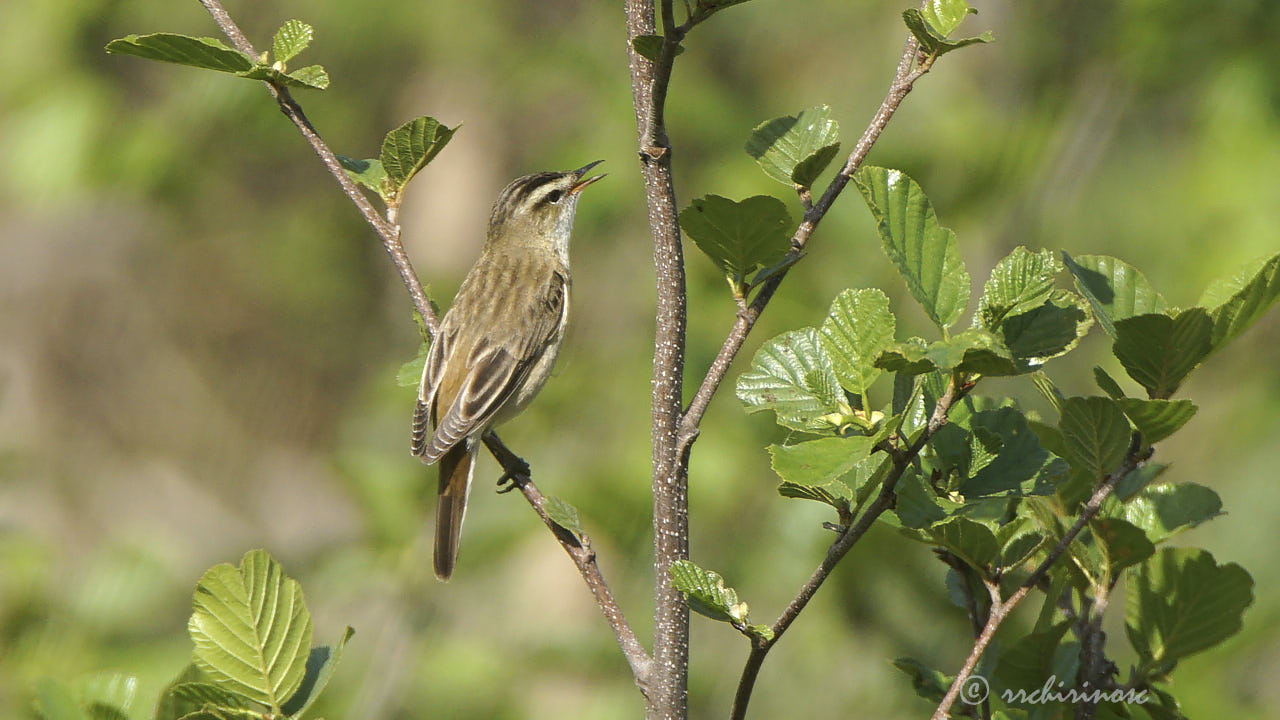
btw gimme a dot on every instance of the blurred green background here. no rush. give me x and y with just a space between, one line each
199 336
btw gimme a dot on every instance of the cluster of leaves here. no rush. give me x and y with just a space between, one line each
995 488
253 656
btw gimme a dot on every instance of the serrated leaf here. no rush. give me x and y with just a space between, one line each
1021 281
1095 433
201 52
928 683
563 514
1052 329
1163 510
971 541
1160 351
707 594
292 38
817 462
198 694
835 493
650 46
251 629
321 663
311 76
408 148
795 149
169 706
1115 289
925 253
933 26
1157 419
792 376
1181 602
739 236
1252 297
858 327
1107 384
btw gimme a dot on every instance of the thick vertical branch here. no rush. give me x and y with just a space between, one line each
668 680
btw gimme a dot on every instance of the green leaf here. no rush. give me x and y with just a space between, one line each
739 236
1018 541
292 38
114 691
1021 281
1107 384
1249 299
707 594
55 701
410 373
199 694
251 629
1140 478
857 329
1123 543
937 21
817 462
368 172
792 376
795 149
1157 419
928 683
1021 466
201 52
916 506
1160 351
925 253
650 47
1038 335
835 493
1114 288
563 514
409 148
1096 434
1182 601
971 541
321 663
1025 663
170 706
1165 509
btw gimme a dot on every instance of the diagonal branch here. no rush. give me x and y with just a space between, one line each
903 81
956 390
579 549
1001 609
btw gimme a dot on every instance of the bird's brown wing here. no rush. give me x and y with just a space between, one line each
476 370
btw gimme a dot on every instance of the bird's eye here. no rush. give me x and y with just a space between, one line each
554 196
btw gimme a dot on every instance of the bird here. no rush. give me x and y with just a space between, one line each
497 344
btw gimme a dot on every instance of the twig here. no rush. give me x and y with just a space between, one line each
1001 609
845 542
903 81
388 229
579 549
668 688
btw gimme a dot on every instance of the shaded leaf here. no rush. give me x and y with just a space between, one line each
858 327
251 629
321 663
410 373
1165 509
1160 351
408 148
1115 289
1249 301
1095 434
925 253
563 514
201 52
1141 477
1181 602
1025 663
792 376
707 594
1046 331
928 683
170 706
1157 419
368 173
199 694
739 236
1107 384
795 149
971 541
650 46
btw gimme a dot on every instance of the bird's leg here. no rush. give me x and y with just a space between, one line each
515 469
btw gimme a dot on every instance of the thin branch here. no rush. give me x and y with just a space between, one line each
1001 609
843 544
903 81
579 549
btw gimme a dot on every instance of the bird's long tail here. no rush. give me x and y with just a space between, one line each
451 504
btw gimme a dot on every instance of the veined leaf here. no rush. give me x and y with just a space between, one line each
1157 419
925 253
409 148
292 38
795 149
1248 296
201 52
792 375
739 236
857 329
1115 289
321 663
1021 281
251 629
933 25
1163 510
707 594
1160 351
1095 433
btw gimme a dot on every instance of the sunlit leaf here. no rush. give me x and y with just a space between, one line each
1115 289
858 327
795 149
201 52
1157 419
707 594
1163 510
1021 281
793 376
932 26
292 38
1247 298
650 46
563 514
408 148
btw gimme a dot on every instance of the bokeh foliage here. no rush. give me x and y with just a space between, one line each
201 337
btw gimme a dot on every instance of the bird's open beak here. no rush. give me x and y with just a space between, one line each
584 183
